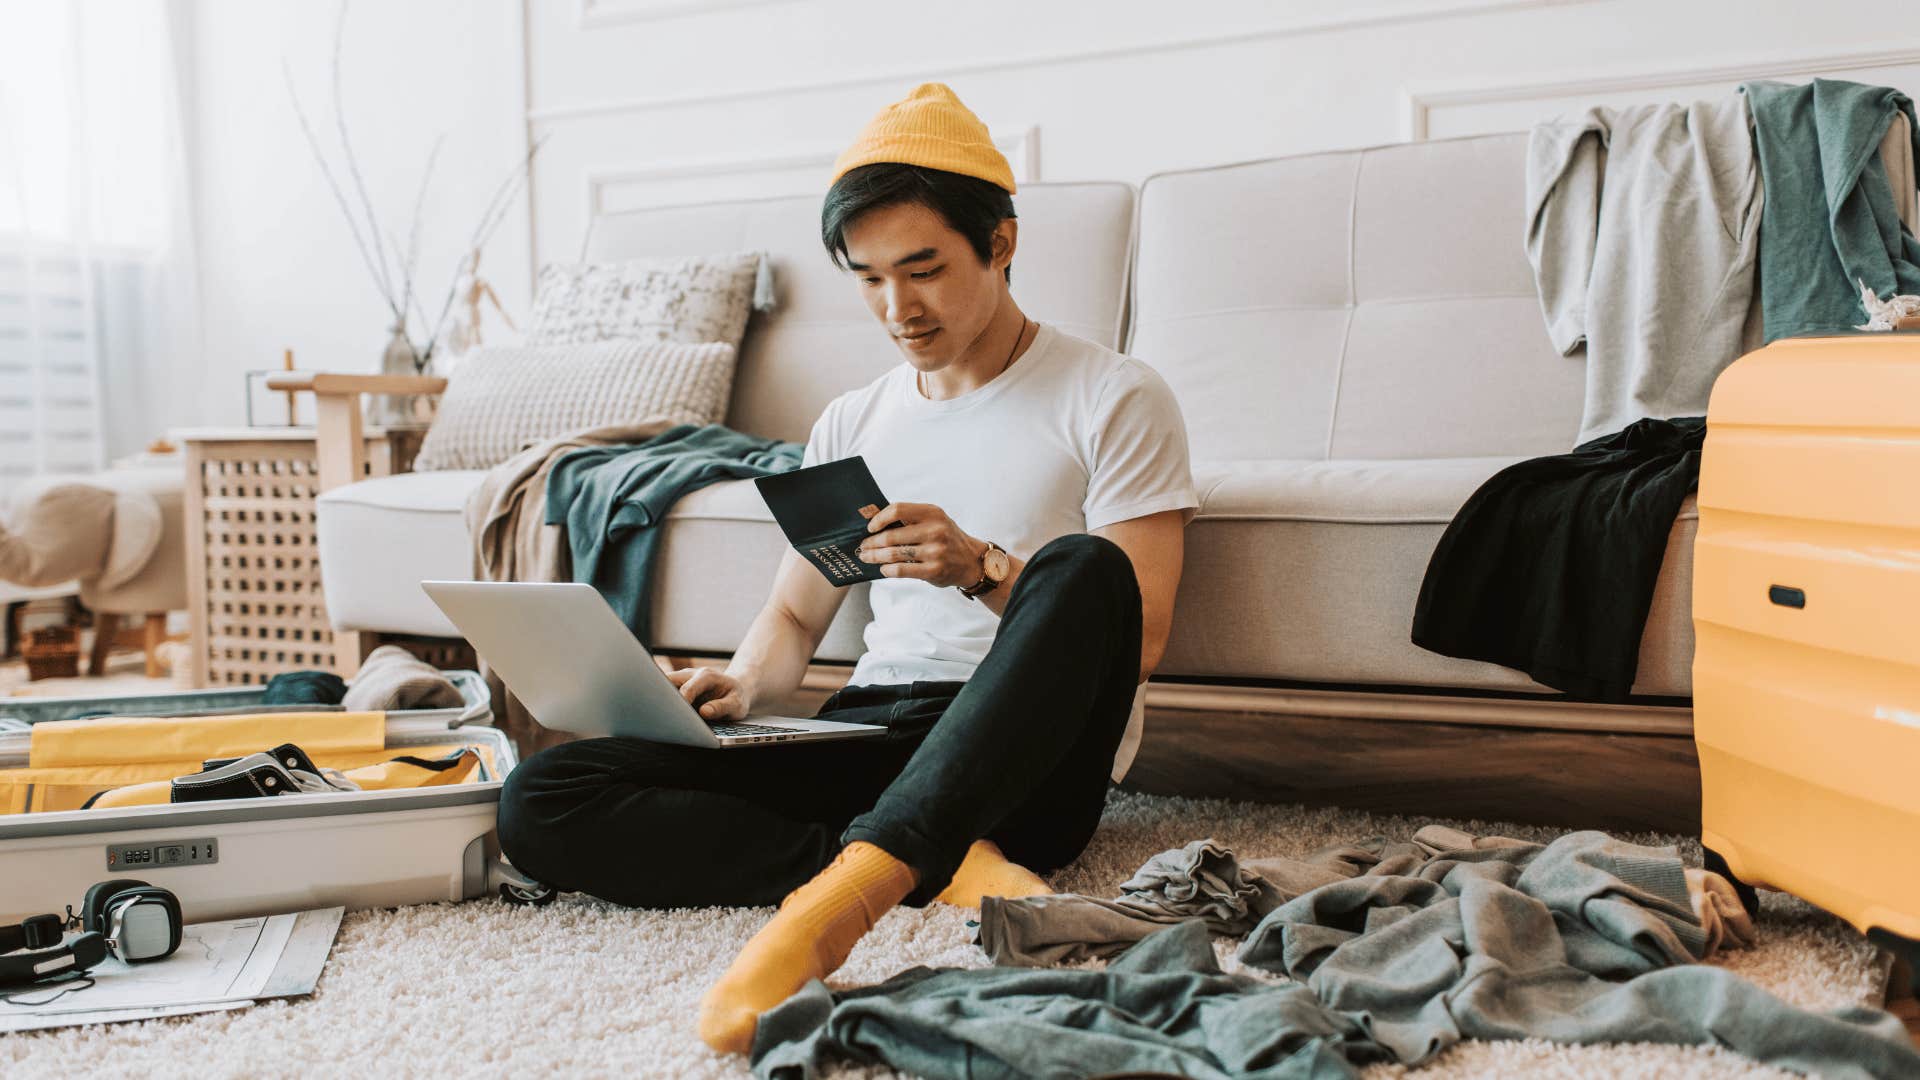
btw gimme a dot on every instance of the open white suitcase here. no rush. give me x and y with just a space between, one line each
239 857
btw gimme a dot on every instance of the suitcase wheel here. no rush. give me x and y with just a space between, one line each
532 894
1749 899
1906 954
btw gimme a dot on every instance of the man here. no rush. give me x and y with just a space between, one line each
1030 565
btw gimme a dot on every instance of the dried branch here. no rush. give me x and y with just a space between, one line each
353 164
410 300
340 197
371 239
490 220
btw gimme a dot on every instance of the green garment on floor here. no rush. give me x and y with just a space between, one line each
1500 941
1163 1009
1831 222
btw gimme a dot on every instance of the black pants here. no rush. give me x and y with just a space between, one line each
1019 754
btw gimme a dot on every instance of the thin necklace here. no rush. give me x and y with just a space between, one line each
919 377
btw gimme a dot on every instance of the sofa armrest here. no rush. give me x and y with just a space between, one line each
340 447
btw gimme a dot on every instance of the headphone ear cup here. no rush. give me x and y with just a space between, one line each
93 909
149 892
123 898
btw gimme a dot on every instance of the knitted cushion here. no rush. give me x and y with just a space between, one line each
502 400
697 298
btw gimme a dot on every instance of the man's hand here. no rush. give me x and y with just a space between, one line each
717 695
921 541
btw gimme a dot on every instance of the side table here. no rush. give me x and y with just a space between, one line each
253 569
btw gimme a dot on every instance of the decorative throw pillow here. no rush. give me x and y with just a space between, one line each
693 298
501 400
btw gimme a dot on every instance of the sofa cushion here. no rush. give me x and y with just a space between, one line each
502 400
1297 570
674 298
819 340
380 538
1309 571
1369 304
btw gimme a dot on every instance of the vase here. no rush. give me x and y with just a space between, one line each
395 410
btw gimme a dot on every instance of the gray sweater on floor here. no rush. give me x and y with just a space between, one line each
1495 939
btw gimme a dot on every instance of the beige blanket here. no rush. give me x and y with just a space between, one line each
55 530
506 516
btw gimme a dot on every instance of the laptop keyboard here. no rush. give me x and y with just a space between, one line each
748 729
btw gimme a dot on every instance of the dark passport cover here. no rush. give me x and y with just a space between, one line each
819 508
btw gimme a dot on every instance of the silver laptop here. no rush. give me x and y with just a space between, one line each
565 653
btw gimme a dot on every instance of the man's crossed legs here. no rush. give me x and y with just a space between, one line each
1017 756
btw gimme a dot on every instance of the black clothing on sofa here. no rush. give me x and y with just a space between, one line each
1550 566
1019 753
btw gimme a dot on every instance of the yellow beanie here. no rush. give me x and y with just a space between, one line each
928 127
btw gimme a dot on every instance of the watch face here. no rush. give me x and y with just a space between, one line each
996 564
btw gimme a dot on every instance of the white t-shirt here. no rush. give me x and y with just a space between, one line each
1072 438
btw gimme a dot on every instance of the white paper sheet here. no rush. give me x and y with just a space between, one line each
219 965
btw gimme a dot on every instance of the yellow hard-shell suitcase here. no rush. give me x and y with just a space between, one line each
1806 614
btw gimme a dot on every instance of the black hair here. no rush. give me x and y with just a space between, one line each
969 205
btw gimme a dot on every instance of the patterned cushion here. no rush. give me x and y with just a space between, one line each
501 400
696 298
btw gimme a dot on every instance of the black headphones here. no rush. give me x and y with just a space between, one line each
129 919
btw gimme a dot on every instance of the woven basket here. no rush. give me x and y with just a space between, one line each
52 652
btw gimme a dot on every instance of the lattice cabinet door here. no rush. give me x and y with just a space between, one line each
254 566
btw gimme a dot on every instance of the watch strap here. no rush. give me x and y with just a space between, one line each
986 584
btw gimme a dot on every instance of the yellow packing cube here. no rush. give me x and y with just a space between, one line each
435 766
121 740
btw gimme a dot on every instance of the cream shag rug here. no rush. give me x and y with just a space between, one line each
582 988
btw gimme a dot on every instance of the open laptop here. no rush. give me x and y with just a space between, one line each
565 653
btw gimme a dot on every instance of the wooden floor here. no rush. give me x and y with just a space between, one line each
1575 778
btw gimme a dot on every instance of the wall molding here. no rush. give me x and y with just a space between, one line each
1420 103
1442 9
1021 146
596 14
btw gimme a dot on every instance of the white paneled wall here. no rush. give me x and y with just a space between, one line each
648 102
278 266
1475 109
665 101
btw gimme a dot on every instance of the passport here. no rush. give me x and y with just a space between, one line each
823 510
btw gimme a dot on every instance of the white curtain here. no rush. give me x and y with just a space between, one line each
99 305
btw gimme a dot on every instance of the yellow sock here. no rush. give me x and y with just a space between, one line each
987 872
810 936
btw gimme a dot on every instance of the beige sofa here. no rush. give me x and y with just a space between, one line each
1356 344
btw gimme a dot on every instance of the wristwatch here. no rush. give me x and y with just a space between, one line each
994 566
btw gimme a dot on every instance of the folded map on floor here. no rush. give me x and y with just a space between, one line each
219 966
